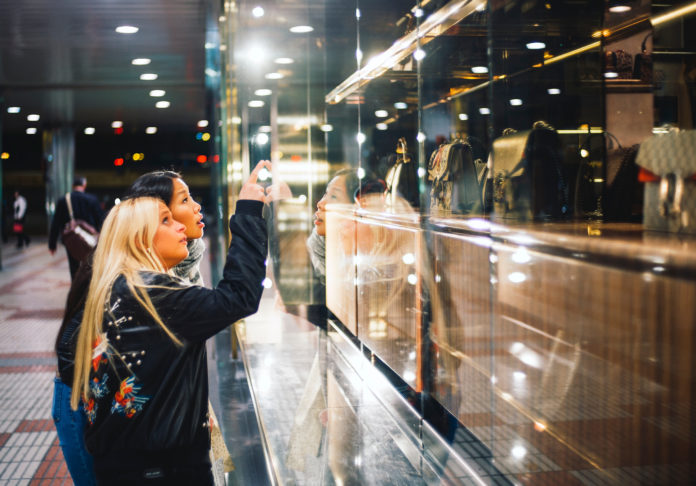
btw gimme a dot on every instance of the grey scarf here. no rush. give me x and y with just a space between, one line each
189 269
316 245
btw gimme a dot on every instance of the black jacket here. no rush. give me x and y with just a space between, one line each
149 405
85 207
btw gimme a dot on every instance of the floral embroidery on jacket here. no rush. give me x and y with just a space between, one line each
126 400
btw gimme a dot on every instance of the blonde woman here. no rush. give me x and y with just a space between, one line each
140 363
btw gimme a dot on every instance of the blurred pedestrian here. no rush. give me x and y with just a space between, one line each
20 213
84 206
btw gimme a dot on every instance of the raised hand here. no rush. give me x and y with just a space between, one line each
251 189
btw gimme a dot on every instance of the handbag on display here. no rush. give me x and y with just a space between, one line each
528 177
79 237
456 179
668 168
402 177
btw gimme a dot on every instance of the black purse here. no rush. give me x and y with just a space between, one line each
528 176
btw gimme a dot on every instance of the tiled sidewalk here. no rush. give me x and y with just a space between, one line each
33 286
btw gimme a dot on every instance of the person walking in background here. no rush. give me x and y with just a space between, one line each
20 213
84 206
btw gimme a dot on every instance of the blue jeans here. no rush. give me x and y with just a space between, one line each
70 426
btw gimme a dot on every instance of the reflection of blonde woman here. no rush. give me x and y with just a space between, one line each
140 362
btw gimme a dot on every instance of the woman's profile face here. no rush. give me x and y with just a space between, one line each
170 240
336 192
185 210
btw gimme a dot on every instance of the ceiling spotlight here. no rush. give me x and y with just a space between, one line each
301 29
485 111
284 60
418 13
553 91
262 139
400 105
89 130
126 29
419 54
463 116
258 12
13 109
535 45
162 104
382 126
148 76
116 124
326 127
256 104
157 93
273 76
263 92
141 61
151 130
31 131
33 117
618 6
202 123
611 75
479 69
515 102
381 113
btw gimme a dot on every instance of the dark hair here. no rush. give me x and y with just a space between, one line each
351 180
79 181
158 184
77 295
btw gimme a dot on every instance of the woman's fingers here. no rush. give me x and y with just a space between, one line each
252 190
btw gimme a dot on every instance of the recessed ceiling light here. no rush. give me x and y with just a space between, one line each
116 124
535 45
13 109
141 61
202 123
258 12
419 54
89 130
273 76
400 105
326 127
381 113
479 69
553 91
256 103
284 60
463 116
31 131
301 29
485 111
611 74
151 130
382 126
33 117
162 104
516 102
148 76
157 93
617 6
263 92
126 29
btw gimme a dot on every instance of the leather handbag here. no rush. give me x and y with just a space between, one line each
528 177
79 237
456 179
668 169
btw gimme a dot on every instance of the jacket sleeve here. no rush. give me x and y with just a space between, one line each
197 313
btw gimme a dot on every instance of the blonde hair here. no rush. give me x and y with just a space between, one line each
124 248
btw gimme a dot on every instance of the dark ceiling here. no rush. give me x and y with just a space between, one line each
65 61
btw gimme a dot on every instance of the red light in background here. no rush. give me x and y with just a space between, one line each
216 158
295 158
118 162
118 130
201 159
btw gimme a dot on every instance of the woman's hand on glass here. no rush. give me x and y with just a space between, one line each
251 188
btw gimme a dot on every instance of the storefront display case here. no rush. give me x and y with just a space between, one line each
503 279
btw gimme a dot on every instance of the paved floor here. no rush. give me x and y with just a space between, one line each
33 286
